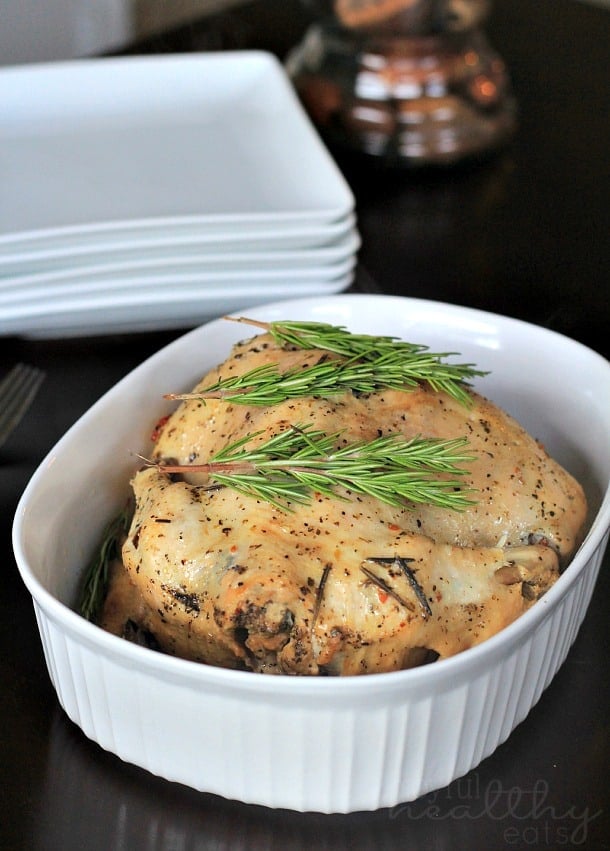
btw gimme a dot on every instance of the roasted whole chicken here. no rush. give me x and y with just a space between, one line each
341 582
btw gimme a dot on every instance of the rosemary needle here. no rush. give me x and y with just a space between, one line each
294 464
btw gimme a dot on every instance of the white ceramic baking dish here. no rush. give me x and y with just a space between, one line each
323 744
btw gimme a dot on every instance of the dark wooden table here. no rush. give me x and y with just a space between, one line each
524 234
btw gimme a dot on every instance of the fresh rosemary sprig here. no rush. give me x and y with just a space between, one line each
267 385
290 466
96 575
368 364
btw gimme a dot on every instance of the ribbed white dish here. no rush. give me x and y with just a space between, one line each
325 744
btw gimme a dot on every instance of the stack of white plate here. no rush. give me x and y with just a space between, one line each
156 192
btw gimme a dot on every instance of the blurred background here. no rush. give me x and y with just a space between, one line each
31 31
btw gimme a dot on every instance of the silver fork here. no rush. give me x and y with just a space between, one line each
17 392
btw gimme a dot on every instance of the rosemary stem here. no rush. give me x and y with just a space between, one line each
244 320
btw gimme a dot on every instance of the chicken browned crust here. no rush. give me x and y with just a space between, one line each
341 586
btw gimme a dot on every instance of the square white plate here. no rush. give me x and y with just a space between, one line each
45 291
140 282
154 309
105 142
123 247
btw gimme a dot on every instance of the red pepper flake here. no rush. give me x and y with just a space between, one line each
383 596
393 527
156 434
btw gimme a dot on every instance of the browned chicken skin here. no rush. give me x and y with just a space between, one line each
340 586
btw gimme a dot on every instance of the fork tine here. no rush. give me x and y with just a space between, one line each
16 394
17 391
17 388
